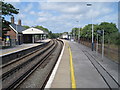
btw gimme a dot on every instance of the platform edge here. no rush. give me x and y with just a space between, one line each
49 82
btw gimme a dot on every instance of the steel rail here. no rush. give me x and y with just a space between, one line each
15 60
18 81
11 71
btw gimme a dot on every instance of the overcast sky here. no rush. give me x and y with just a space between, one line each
62 16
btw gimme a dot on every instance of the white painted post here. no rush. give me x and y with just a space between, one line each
103 45
79 35
97 45
41 37
33 38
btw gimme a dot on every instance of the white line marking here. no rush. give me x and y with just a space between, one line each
49 83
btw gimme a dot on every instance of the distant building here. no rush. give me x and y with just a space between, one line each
64 36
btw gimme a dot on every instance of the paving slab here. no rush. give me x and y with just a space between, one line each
86 75
111 66
20 47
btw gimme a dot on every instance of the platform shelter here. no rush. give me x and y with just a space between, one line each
32 35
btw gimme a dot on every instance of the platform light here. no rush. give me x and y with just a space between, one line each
92 28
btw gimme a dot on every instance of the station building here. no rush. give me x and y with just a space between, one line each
18 34
14 35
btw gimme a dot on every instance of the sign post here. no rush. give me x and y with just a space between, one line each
101 33
97 45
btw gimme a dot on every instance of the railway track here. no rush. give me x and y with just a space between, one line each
38 48
111 82
11 57
16 75
13 66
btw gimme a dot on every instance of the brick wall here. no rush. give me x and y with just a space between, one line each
12 34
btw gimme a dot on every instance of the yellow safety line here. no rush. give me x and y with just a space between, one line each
72 71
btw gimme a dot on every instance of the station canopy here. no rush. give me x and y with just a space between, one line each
33 31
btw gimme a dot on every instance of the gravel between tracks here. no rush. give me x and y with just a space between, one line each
19 62
8 80
37 79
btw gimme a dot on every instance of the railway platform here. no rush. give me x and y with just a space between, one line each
21 47
80 67
62 77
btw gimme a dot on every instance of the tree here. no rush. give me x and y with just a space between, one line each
110 31
42 28
51 35
108 27
26 26
75 31
8 9
54 35
87 31
5 27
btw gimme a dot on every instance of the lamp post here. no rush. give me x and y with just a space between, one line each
92 30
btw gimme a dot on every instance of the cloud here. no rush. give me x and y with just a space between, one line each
25 0
108 18
62 16
42 19
28 7
12 0
44 14
77 8
21 16
66 14
61 0
28 22
83 0
61 7
32 12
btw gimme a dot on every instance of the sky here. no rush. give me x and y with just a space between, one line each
62 16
